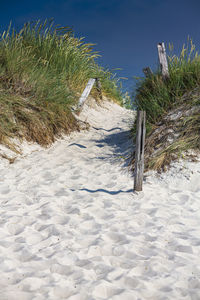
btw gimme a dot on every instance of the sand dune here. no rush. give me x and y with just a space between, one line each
71 227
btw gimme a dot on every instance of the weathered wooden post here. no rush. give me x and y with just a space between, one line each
139 150
86 92
163 60
147 72
99 89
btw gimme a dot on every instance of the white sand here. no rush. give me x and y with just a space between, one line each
71 228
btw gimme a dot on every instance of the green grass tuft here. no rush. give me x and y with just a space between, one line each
158 97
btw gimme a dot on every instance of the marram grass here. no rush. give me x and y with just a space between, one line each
179 95
156 96
43 71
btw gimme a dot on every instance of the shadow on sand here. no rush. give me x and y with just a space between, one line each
107 130
78 145
121 145
104 191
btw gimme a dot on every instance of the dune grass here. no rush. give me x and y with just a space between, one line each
158 97
43 71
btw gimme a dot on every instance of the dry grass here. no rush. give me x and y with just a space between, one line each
32 121
175 134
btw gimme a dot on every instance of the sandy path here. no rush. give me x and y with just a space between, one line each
71 228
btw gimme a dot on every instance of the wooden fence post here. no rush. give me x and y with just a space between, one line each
163 60
139 150
98 84
86 92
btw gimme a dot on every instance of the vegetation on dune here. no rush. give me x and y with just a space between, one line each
172 107
43 70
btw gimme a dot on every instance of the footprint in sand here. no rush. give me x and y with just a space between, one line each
7 265
106 290
118 251
61 269
26 256
131 282
61 192
118 237
60 219
15 229
185 249
194 283
15 295
4 190
34 238
102 270
64 292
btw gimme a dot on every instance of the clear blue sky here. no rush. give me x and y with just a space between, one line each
126 31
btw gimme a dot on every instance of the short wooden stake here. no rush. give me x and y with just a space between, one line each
163 60
147 72
139 150
99 89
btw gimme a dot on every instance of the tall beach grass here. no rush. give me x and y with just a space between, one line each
158 97
43 70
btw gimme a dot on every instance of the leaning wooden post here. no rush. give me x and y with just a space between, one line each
163 60
139 150
86 92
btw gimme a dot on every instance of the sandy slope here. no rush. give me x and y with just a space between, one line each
71 228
